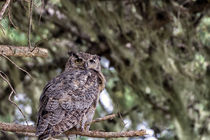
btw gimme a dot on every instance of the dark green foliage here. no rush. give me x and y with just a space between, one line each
158 51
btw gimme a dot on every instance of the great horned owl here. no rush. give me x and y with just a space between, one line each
69 100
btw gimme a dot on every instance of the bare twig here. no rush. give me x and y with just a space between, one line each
10 19
2 29
42 8
17 65
4 9
24 129
4 77
17 106
121 118
108 117
22 51
2 13
30 23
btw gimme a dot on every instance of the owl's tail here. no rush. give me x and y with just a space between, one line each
43 136
72 137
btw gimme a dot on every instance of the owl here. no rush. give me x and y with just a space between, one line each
69 100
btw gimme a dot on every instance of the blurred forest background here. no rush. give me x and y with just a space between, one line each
155 57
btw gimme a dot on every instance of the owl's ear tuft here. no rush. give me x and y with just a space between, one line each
99 58
71 53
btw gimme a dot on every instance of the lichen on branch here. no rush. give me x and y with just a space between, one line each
23 51
29 129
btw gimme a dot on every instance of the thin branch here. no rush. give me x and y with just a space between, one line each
2 29
30 23
17 106
22 51
24 129
112 116
10 18
123 123
4 9
16 65
4 77
42 8
108 117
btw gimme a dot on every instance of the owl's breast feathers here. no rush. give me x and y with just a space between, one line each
66 99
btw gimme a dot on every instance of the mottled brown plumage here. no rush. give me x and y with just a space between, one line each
69 100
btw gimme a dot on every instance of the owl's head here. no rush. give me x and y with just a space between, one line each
83 60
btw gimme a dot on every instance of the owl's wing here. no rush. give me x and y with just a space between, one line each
65 100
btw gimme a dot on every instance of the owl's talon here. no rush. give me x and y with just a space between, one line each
87 127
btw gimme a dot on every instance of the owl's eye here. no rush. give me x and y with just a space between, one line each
92 61
78 60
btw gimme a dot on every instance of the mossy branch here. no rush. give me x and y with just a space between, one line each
23 51
29 130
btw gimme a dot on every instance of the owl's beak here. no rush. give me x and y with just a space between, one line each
86 65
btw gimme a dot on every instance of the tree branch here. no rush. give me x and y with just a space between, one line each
108 117
4 9
22 51
30 22
4 77
99 134
16 65
29 129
